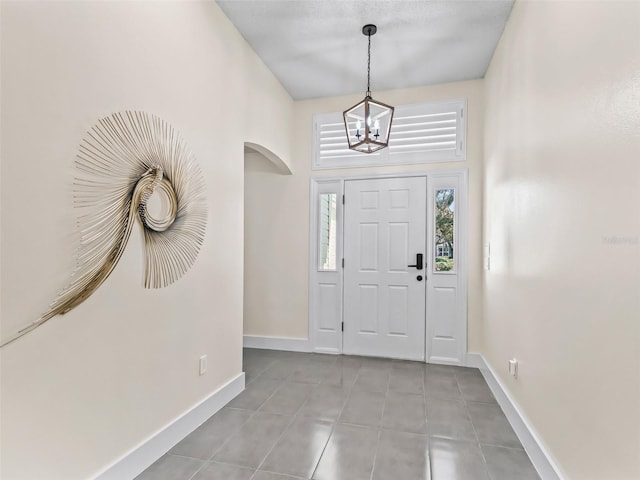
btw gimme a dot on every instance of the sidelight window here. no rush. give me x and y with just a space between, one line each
444 230
327 232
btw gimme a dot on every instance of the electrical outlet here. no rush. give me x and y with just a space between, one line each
513 367
203 365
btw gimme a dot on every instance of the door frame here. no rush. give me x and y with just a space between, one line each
329 339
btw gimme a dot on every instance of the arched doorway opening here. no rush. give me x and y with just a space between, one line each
261 166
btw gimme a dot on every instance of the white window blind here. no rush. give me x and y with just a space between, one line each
420 133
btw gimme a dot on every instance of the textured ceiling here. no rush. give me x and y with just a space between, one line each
316 47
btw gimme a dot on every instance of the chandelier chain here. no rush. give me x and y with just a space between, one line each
369 66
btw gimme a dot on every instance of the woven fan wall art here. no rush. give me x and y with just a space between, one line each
124 160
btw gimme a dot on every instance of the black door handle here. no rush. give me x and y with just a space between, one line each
419 262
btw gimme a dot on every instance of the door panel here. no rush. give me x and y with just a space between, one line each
384 303
368 309
444 299
398 246
398 314
369 247
329 298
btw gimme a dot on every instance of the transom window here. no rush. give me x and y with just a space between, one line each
420 133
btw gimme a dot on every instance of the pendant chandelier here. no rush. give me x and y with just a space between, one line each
368 123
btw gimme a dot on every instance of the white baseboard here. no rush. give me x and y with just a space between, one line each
142 456
328 351
277 343
538 453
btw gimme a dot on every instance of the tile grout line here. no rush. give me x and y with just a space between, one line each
375 456
219 462
243 467
267 367
495 445
475 432
293 417
280 474
428 441
284 381
384 407
429 437
426 422
210 459
335 424
216 450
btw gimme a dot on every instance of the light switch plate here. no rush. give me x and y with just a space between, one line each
487 256
203 365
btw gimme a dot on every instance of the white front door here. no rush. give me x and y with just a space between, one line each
384 296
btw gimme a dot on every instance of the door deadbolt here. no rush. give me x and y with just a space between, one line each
419 278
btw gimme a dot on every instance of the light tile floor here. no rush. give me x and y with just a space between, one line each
322 417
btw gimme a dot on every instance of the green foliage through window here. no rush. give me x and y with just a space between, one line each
444 230
327 231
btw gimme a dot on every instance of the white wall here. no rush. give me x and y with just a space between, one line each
85 388
277 215
562 213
